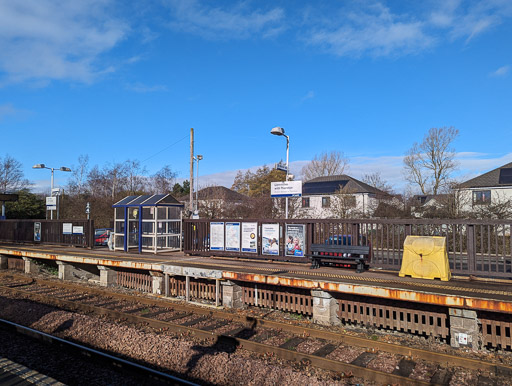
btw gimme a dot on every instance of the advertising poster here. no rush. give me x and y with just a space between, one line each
295 238
217 236
270 239
233 236
250 237
37 231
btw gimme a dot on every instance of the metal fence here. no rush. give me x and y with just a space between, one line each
78 233
475 247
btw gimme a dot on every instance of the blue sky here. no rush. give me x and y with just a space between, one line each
367 78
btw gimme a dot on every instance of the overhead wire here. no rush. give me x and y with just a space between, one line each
164 149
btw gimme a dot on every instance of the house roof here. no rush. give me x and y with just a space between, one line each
216 193
501 176
424 199
331 184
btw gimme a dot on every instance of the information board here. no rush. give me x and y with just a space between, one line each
217 236
233 236
67 228
250 237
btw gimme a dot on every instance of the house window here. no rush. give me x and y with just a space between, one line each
326 202
481 197
305 202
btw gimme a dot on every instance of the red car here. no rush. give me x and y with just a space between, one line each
101 236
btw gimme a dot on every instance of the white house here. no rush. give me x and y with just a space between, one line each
493 188
339 196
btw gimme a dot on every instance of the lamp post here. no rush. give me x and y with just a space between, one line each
198 158
62 169
280 132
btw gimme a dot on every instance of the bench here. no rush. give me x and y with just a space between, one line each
340 255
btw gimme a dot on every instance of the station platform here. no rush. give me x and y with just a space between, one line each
464 293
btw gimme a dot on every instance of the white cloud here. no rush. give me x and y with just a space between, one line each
9 110
49 39
502 71
309 95
373 29
236 22
390 167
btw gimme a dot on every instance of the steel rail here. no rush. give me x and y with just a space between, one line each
413 353
113 361
260 348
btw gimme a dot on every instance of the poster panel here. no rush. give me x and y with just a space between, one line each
67 228
295 238
270 239
233 236
249 237
78 230
217 236
37 231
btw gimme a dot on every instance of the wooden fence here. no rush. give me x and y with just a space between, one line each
78 233
475 247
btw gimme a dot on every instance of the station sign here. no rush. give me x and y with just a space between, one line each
286 189
51 203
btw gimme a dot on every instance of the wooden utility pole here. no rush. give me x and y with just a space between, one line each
191 194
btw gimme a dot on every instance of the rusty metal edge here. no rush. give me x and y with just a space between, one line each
414 353
323 363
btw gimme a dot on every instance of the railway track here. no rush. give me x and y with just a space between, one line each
145 373
303 346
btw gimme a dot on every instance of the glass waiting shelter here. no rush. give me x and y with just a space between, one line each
150 223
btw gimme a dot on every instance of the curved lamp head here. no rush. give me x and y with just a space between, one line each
39 166
199 157
64 169
277 131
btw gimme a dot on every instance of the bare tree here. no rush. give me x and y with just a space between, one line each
430 163
325 164
500 207
163 180
135 178
11 175
78 179
344 204
375 180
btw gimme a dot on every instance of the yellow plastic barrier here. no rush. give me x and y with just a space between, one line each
425 257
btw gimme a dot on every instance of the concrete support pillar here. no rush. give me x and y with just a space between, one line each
464 328
4 262
108 276
65 271
158 282
325 308
232 295
187 288
166 285
31 266
217 292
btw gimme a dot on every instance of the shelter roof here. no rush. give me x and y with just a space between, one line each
147 200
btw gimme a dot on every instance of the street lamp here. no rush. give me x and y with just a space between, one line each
62 169
280 132
198 158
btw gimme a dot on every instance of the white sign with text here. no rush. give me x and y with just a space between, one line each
286 189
